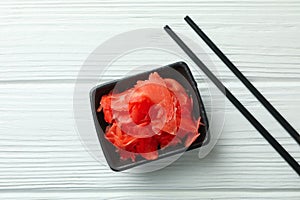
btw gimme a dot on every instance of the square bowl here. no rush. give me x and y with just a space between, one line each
109 150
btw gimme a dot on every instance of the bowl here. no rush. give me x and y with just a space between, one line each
169 71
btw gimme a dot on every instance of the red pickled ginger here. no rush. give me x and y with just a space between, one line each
154 114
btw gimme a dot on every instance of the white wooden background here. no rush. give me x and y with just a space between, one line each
43 45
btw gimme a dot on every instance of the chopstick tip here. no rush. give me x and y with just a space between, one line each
167 27
187 18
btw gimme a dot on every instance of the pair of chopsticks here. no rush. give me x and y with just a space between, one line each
284 154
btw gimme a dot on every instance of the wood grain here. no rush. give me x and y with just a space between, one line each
42 47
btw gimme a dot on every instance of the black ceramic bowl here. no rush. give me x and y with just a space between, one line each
112 157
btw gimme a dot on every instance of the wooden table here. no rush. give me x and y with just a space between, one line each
42 47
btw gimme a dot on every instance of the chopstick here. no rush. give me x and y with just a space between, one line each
284 154
284 123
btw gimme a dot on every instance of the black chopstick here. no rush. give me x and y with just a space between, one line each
284 123
288 158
